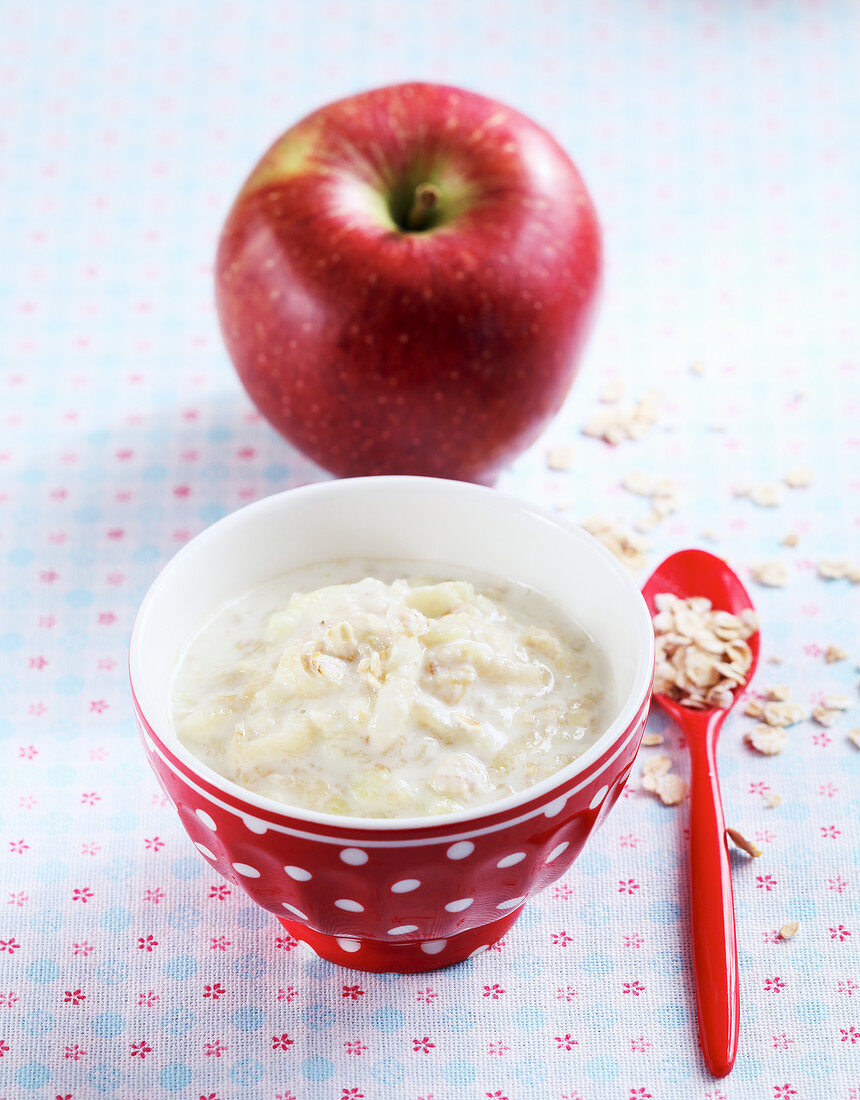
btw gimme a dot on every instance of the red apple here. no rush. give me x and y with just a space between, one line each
405 282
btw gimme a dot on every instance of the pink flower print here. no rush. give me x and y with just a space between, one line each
765 882
285 942
627 886
849 1035
840 933
498 945
629 840
497 1047
18 847
214 991
565 994
98 754
155 896
636 988
633 940
494 991
82 894
48 576
214 1049
566 1042
353 992
353 1093
355 1046
781 1042
153 844
27 802
90 798
74 1052
289 994
7 1000
765 837
422 1046
783 1092
10 945
426 996
828 790
38 663
219 893
759 787
847 987
84 949
282 1042
218 943
140 1049
147 943
563 891
640 1045
560 939
245 452
640 1094
18 899
829 832
90 849
106 618
811 649
147 999
773 985
182 492
98 706
821 739
772 936
115 534
74 997
836 884
37 709
497 1095
4 1048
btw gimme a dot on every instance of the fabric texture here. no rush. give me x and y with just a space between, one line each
719 142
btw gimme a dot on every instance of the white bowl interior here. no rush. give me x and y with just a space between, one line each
463 525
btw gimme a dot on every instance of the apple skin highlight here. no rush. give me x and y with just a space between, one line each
406 280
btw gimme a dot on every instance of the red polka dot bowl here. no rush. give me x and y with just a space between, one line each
396 894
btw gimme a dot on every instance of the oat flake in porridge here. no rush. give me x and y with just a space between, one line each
349 689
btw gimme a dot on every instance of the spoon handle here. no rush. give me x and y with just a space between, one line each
715 953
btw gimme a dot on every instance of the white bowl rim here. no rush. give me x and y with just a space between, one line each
612 735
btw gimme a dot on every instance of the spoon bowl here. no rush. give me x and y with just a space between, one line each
687 574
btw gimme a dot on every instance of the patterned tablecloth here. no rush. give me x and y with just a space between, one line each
720 143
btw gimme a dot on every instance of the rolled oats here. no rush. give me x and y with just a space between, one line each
854 738
783 713
612 393
629 548
753 709
801 477
767 495
697 368
560 458
767 740
702 653
618 423
779 693
772 574
651 739
834 569
835 653
791 539
773 800
788 930
745 845
825 716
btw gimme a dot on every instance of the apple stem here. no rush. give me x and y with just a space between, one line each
424 202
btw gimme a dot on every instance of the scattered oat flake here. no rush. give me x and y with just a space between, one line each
612 393
618 423
779 693
791 539
835 653
783 713
651 739
836 702
753 709
773 800
801 477
834 569
654 767
774 660
772 574
560 458
697 367
670 789
745 845
825 716
854 738
767 740
710 535
767 495
630 549
788 930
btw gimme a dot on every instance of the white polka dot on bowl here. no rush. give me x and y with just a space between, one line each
254 825
557 850
510 904
459 905
246 869
349 945
555 808
355 857
207 819
298 873
402 929
293 909
512 859
433 947
349 906
598 798
460 850
405 886
204 851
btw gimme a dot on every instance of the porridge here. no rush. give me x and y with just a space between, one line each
362 688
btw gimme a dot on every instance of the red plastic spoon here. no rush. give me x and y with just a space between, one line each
715 953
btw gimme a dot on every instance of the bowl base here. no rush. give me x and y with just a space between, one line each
379 957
